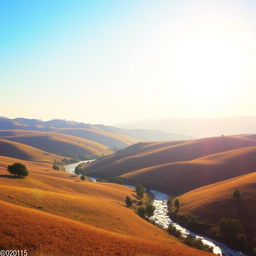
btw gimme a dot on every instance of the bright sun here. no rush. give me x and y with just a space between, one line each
208 67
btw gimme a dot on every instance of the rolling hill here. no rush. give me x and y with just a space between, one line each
180 167
205 201
57 143
110 139
113 137
54 213
25 152
211 203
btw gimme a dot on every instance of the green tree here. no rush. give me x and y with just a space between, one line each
150 210
236 194
141 212
174 231
82 178
18 169
140 190
128 201
177 203
231 231
55 167
78 169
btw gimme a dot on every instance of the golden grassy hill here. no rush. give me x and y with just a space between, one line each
211 203
179 177
25 152
110 139
145 155
171 166
206 202
62 144
54 213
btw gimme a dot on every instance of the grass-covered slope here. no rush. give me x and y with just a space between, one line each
179 177
110 139
180 166
209 205
54 213
56 143
25 152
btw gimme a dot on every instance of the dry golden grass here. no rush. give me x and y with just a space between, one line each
46 234
211 203
144 155
183 176
25 152
179 167
54 213
100 136
55 142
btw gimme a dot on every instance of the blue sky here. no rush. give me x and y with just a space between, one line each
118 61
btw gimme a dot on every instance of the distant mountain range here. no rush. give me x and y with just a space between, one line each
107 135
198 127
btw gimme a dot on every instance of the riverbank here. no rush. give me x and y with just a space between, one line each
162 219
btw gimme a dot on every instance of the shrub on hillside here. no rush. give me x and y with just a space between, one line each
78 169
128 201
140 190
177 203
150 210
232 233
197 243
236 194
172 230
141 212
18 169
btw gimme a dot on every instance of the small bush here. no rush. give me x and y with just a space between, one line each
82 178
55 167
197 243
141 212
236 194
172 230
140 190
177 203
18 169
150 210
128 201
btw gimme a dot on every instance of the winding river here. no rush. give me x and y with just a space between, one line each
162 219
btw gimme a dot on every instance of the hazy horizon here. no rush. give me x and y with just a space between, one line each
116 62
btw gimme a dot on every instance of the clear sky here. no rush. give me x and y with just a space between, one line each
114 61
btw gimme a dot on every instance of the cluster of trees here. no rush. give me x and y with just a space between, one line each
146 210
111 180
140 190
18 169
173 204
57 165
79 169
232 233
189 239
66 161
228 230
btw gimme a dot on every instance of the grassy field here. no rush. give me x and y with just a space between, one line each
54 213
210 204
25 152
177 167
57 143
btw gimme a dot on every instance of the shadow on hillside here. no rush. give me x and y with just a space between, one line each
9 176
72 176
